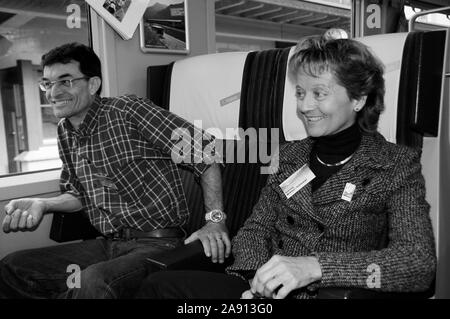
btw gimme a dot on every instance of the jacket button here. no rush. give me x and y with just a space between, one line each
312 291
290 220
365 182
321 228
280 244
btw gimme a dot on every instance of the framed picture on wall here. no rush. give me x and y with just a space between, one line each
122 15
164 27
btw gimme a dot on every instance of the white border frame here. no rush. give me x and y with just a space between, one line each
171 51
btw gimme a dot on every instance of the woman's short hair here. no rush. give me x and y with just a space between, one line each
353 66
89 62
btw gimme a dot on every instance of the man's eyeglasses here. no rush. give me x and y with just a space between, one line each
68 83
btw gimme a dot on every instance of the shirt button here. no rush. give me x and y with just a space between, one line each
97 184
290 220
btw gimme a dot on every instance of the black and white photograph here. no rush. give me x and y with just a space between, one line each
164 27
224 157
121 15
118 8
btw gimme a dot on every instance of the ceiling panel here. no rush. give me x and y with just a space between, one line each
286 12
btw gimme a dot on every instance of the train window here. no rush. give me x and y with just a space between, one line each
259 25
29 29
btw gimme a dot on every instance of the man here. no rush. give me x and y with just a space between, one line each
117 166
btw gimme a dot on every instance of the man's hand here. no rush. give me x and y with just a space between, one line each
215 240
23 214
280 275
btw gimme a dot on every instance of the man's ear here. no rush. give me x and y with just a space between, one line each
94 84
359 103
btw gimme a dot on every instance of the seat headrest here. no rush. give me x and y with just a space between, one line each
207 88
421 86
389 49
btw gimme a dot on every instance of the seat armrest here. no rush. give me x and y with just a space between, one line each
71 226
186 257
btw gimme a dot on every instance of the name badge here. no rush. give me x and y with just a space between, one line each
349 190
296 181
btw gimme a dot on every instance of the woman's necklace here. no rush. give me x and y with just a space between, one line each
345 160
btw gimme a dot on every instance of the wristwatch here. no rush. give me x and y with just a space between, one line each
216 216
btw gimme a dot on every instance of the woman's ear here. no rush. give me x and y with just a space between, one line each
359 103
94 84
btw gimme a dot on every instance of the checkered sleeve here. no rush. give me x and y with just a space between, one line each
68 181
69 184
174 136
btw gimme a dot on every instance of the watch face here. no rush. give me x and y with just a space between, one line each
216 216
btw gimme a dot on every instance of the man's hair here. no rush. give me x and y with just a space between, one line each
353 66
89 62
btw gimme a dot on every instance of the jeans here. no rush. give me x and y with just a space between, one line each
109 269
191 284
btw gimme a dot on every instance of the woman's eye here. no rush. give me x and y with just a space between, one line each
300 95
320 94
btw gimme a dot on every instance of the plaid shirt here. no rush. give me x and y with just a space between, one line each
118 163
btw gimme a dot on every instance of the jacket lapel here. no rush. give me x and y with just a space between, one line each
293 160
366 160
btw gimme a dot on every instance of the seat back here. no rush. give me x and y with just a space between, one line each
247 96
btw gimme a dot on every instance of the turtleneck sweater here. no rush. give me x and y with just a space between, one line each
332 149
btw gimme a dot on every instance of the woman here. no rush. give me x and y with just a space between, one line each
345 209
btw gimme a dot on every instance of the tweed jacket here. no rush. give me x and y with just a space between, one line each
382 238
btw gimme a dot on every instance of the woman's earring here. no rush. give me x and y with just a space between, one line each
357 109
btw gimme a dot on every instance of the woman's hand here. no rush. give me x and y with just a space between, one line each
280 275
